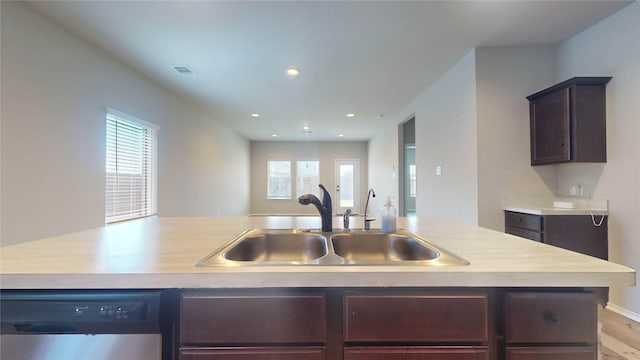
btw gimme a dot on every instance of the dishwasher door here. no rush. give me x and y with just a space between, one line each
81 347
80 324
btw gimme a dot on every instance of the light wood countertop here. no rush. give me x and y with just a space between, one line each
162 252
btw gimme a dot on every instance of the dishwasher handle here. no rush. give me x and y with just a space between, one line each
46 328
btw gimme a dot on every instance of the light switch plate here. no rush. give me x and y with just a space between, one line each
438 170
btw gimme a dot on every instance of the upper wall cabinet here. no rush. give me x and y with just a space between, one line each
568 122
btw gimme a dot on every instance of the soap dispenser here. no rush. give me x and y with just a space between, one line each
388 216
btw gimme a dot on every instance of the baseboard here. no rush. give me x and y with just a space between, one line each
624 312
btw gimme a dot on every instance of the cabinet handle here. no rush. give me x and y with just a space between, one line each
562 145
550 317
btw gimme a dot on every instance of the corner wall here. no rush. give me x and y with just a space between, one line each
55 89
504 77
445 115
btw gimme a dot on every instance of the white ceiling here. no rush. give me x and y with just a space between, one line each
371 58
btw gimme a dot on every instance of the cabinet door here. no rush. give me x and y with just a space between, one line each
253 353
552 353
578 233
416 317
416 353
260 318
550 128
550 318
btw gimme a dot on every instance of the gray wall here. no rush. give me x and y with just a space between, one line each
611 48
325 152
55 90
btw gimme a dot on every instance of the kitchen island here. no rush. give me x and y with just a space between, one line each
517 299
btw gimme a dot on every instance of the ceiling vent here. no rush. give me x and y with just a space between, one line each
183 69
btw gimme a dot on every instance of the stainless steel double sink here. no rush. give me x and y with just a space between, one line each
313 247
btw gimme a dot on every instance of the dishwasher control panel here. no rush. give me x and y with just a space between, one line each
89 312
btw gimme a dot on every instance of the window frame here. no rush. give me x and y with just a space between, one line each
269 194
151 196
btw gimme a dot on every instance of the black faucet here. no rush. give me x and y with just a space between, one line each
324 208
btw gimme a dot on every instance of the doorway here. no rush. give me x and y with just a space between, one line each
407 172
347 186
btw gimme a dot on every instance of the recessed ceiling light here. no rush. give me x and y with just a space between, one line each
274 135
255 115
350 115
293 71
341 135
305 128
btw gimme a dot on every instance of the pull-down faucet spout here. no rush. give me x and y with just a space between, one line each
367 221
324 208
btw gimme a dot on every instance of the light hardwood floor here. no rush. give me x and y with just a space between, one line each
618 337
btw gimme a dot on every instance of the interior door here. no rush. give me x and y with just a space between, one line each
347 186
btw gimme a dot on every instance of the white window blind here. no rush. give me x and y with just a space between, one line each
279 179
131 169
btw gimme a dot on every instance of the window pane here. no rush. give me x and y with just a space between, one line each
413 185
308 177
130 170
279 180
347 186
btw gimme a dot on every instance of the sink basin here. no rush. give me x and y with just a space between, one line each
272 247
313 247
381 247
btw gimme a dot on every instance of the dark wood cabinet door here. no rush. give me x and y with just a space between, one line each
540 317
253 353
416 317
416 353
550 128
568 122
578 233
552 353
246 318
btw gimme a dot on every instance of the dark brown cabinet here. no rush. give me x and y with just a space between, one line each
253 325
568 122
552 353
386 324
564 323
585 234
416 317
416 353
393 325
253 353
581 233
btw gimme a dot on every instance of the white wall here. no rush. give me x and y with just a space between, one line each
445 115
383 162
612 48
326 152
504 77
55 88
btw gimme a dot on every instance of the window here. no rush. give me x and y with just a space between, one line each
279 179
130 167
413 182
308 177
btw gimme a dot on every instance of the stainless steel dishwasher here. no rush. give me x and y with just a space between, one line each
81 324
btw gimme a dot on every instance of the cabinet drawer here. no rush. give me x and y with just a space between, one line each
416 317
550 318
552 353
245 318
416 353
523 221
527 234
254 353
